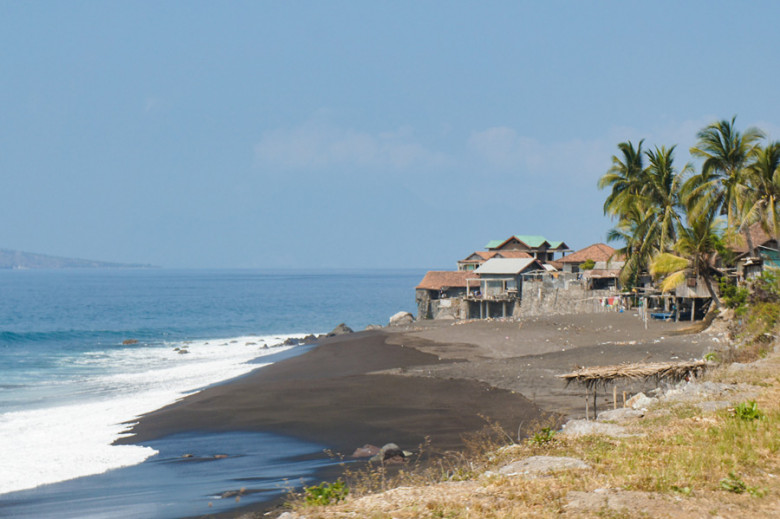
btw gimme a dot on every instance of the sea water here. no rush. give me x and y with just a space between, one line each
84 353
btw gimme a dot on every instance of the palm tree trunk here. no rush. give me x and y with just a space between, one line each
708 284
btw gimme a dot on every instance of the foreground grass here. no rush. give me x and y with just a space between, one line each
681 462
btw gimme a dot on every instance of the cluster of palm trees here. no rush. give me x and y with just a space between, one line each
672 220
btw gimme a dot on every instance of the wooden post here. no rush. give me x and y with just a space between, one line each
693 307
644 305
595 395
624 399
587 411
614 397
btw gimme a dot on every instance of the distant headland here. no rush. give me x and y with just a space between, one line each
11 259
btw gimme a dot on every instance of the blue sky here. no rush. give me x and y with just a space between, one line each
350 134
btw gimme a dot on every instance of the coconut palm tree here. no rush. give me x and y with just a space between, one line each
726 153
624 178
763 189
662 193
695 249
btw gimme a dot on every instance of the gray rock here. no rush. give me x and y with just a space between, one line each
620 415
541 465
374 327
710 406
585 427
341 329
401 319
640 401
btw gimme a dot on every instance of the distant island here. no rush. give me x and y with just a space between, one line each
11 259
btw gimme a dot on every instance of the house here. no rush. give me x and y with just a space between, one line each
500 287
598 252
442 290
537 246
477 258
766 246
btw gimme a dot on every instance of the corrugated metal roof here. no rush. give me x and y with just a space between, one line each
531 240
492 244
507 266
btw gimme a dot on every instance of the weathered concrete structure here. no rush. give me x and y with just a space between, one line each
551 293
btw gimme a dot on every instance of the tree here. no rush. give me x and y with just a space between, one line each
662 193
726 153
624 178
763 189
696 248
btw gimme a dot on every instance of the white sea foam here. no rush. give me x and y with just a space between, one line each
51 444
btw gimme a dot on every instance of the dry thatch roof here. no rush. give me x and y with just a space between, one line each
603 375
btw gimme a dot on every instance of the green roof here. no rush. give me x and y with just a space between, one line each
492 244
531 241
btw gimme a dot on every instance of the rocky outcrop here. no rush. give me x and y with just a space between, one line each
341 329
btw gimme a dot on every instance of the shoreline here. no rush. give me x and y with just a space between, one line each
427 380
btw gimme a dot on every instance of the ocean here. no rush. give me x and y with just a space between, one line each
85 352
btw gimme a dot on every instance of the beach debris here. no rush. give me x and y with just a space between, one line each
536 466
129 341
401 319
341 329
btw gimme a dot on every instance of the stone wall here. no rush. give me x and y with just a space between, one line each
561 295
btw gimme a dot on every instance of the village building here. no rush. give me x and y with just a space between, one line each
477 258
767 249
500 284
597 253
537 246
439 293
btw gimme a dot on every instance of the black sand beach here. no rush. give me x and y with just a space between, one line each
429 380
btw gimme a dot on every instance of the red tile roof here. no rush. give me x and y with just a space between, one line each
595 252
438 279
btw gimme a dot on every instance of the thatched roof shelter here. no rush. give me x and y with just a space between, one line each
597 376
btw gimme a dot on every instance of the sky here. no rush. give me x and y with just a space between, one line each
351 134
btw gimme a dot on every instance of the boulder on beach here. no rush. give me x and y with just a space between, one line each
391 453
401 319
366 451
373 327
130 341
341 329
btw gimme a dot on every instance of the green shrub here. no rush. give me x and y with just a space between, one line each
588 264
748 411
733 296
325 493
733 484
544 436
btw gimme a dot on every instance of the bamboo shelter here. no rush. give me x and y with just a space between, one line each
597 377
